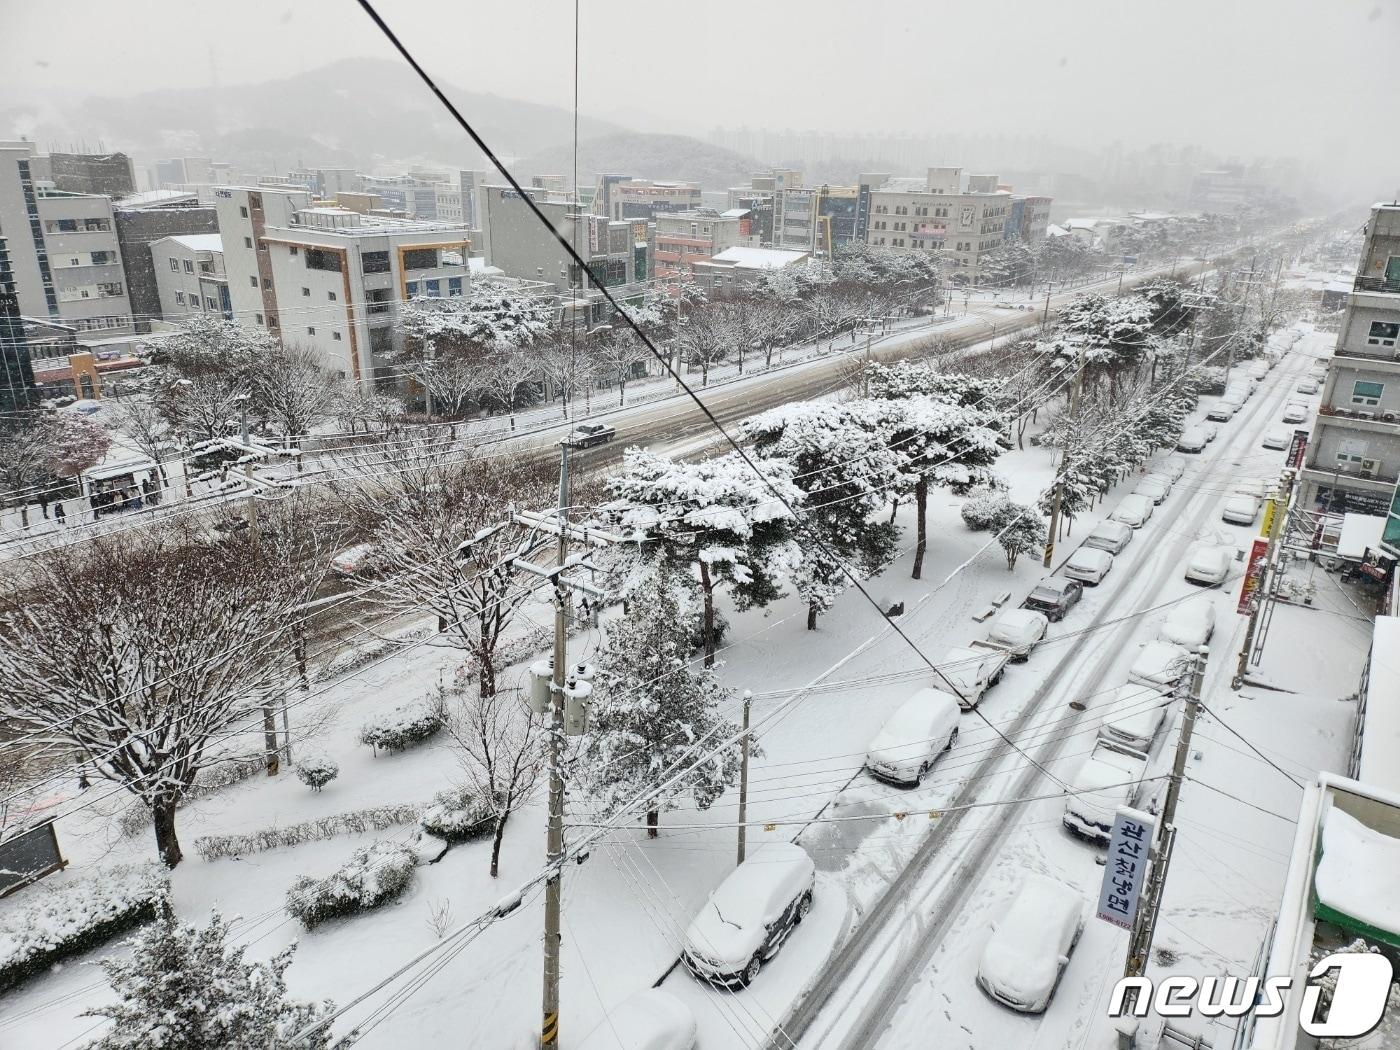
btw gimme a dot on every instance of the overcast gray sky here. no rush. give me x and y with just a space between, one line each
1313 78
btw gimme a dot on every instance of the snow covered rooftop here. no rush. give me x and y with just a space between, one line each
758 258
199 242
906 184
151 198
1054 230
1380 730
1359 531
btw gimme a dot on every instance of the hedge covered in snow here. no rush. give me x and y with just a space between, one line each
374 874
403 726
357 821
317 770
63 920
457 816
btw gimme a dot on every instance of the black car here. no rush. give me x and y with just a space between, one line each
1054 596
587 435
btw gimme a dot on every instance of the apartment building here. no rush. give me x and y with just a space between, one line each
617 251
331 279
646 198
935 214
63 248
685 238
109 174
190 276
1353 458
143 219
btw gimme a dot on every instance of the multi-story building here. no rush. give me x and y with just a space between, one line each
1032 218
63 248
109 174
147 217
330 279
190 276
17 390
647 198
685 238
1353 458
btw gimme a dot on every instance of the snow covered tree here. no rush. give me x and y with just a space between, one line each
1011 265
500 746
617 353
493 316
651 706
187 987
293 391
205 368
418 498
137 652
449 380
705 339
839 455
140 421
1021 530
714 518
74 444
508 380
24 462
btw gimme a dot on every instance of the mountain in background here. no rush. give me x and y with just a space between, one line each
646 156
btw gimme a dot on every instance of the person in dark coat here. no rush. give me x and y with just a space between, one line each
58 513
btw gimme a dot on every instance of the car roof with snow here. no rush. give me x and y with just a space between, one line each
1019 622
1135 710
1112 529
1055 585
763 885
1023 952
1160 659
1209 558
1090 558
651 1019
915 719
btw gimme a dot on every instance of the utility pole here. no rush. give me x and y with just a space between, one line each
1145 922
744 777
1045 317
1059 480
270 743
554 841
1266 575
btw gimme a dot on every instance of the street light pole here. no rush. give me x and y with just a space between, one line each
1059 479
744 777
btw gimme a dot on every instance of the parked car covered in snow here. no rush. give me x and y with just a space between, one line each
1054 596
912 738
1135 511
1157 489
1133 717
972 671
1209 566
1307 386
1240 509
1159 665
1089 565
1110 777
1277 438
1111 536
1031 945
1174 467
1222 410
1018 631
750 914
1212 430
1294 413
1192 439
651 1019
1189 623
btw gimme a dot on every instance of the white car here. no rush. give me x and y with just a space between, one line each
1240 509
1307 386
1111 536
1133 717
1031 945
1110 777
1260 370
1174 467
750 914
1159 665
1088 564
1257 488
1020 630
647 1020
1156 489
1209 566
1222 410
1211 430
1133 511
912 738
1278 439
1294 413
1189 624
1192 439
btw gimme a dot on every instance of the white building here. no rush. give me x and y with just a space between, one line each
736 268
933 214
331 279
190 276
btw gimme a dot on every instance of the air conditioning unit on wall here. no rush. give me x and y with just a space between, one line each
1370 468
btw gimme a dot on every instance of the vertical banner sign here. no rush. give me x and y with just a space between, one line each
1125 870
1297 448
1252 574
1266 524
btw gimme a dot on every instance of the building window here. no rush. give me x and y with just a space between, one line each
1363 393
209 303
330 296
375 262
189 266
412 287
243 212
179 298
253 281
335 336
310 330
262 246
420 259
454 286
292 250
272 320
433 288
1351 452
306 291
247 242
175 265
320 259
1383 333
258 316
267 282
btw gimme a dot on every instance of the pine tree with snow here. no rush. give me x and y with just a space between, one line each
1020 531
188 988
652 705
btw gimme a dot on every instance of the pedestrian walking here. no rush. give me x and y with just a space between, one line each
58 513
44 502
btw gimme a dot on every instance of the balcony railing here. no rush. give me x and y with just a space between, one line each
1376 284
1380 474
1361 412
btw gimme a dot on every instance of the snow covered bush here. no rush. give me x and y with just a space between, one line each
356 822
66 919
374 874
404 726
980 512
458 815
187 988
317 770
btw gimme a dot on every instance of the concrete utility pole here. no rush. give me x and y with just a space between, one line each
554 841
1266 575
1060 481
1145 922
744 777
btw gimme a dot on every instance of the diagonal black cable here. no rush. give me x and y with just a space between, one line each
665 363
